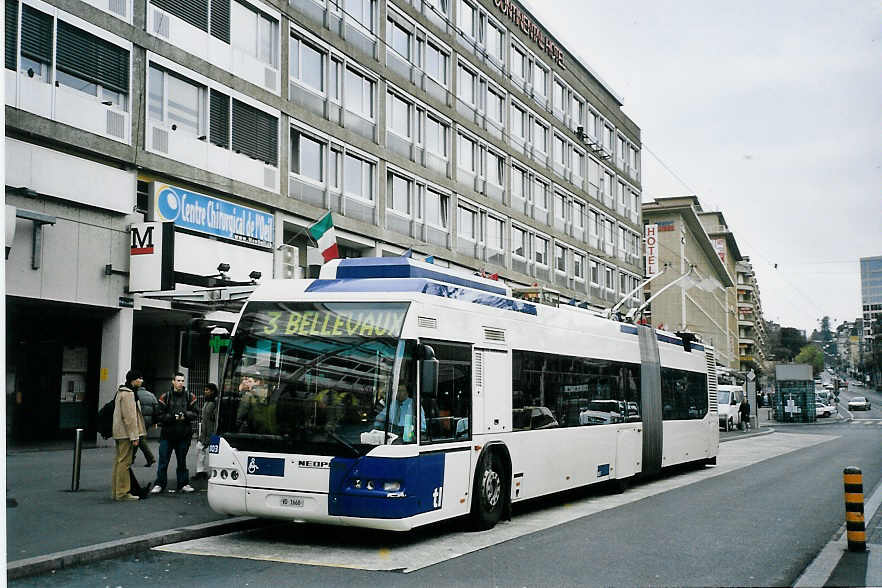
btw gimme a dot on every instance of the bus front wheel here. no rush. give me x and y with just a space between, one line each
489 491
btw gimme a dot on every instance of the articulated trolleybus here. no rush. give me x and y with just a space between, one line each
390 393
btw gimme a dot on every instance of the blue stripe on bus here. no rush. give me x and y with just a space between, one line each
424 286
400 267
631 330
421 479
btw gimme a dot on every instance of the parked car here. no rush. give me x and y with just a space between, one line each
858 403
728 399
823 410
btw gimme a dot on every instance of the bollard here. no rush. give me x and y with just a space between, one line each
854 509
78 449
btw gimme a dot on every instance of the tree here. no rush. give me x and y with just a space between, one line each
787 344
812 355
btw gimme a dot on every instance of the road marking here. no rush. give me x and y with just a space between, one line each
429 549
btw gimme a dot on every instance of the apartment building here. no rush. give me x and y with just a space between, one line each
752 337
458 129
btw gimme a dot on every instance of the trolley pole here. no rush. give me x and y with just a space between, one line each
854 509
77 459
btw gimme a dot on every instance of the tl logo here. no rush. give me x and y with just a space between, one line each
252 466
142 244
437 496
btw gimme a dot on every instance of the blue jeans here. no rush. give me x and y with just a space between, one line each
180 448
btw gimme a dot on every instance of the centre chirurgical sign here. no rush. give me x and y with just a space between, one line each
213 216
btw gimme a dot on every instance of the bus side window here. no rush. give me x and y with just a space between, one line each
448 415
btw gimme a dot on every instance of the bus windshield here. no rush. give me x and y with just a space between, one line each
313 377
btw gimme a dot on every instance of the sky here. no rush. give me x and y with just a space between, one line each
770 112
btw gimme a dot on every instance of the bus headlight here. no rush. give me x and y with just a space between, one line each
224 474
234 474
356 484
391 486
370 485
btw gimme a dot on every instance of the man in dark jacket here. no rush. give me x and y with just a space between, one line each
175 413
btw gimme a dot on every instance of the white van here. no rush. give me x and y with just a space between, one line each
728 401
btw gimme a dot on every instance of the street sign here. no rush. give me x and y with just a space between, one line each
751 376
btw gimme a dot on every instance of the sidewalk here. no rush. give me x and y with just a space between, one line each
44 518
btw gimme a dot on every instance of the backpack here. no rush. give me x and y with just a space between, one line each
105 419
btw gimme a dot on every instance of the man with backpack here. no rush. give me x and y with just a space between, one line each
128 428
175 412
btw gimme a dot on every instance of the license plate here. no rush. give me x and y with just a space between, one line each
292 501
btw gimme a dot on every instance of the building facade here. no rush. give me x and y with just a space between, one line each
458 129
871 292
701 303
752 339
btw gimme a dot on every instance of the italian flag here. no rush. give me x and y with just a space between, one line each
323 233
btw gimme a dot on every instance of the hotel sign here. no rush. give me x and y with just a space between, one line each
531 29
650 235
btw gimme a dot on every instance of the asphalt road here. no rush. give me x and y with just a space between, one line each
758 525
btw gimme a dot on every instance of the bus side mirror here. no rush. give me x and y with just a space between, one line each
428 372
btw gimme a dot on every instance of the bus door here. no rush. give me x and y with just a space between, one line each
629 449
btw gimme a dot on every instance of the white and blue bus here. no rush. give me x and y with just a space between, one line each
390 393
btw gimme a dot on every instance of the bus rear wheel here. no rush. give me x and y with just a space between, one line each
489 492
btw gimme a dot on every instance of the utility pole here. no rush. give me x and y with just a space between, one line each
682 271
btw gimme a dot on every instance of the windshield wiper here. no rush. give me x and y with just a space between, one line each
344 443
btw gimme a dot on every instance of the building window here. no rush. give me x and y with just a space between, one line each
518 182
518 62
358 177
541 252
253 32
359 92
36 41
467 20
495 229
398 38
494 42
399 194
84 62
595 273
610 282
361 11
307 64
436 63
578 266
558 98
540 81
307 156
560 258
436 137
466 223
518 123
466 154
560 211
540 136
255 133
579 214
495 172
437 206
518 242
496 108
175 101
577 108
398 112
466 86
540 194
560 151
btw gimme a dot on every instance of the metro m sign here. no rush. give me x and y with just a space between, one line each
151 256
650 238
142 239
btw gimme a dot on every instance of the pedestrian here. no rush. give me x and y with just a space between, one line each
176 410
209 424
744 411
148 409
128 429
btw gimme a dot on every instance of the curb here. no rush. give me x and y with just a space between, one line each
762 431
80 555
